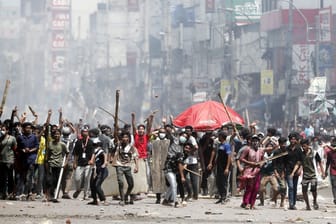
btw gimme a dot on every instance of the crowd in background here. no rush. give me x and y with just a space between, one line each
39 160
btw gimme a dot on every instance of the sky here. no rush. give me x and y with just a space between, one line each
82 9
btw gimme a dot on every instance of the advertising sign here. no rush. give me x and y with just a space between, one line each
325 25
58 61
302 63
60 19
58 40
266 82
245 10
60 3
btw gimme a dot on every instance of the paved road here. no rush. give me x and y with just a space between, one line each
146 211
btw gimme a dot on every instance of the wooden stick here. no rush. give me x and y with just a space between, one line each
4 96
273 157
116 116
247 117
106 111
193 172
32 111
154 112
229 116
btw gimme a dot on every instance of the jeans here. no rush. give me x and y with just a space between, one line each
96 184
52 180
148 173
6 179
333 185
292 183
222 183
172 189
30 184
40 186
82 178
127 172
204 183
67 178
192 182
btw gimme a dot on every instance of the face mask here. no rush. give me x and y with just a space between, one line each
162 135
183 139
3 133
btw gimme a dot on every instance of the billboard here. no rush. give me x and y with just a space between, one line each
325 25
266 82
60 4
58 61
303 56
245 10
58 40
60 19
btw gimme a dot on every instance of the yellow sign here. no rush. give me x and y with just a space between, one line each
225 87
266 82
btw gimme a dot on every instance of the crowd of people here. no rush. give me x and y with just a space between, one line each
40 161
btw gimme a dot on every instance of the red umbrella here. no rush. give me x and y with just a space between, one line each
208 115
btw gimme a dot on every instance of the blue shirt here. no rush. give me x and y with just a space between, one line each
30 141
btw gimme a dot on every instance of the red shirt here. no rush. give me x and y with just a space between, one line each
331 161
140 143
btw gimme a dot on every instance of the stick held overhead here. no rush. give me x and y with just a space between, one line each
4 95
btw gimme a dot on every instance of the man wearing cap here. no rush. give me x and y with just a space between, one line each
99 173
83 159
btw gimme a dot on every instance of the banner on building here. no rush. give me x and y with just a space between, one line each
266 82
325 25
133 5
226 89
60 19
303 56
199 97
58 40
209 6
58 61
325 56
303 107
245 10
60 4
182 15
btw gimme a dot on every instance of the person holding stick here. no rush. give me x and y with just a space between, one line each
55 154
99 173
174 165
223 164
123 155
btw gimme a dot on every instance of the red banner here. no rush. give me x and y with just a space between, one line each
58 40
60 20
60 4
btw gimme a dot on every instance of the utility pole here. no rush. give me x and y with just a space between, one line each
288 75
